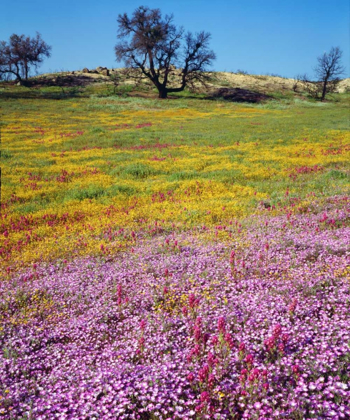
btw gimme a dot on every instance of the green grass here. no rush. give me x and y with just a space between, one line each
220 124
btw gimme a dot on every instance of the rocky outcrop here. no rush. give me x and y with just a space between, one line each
102 70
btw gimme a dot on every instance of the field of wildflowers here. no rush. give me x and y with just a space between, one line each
80 175
184 259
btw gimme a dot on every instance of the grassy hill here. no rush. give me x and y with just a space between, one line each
237 87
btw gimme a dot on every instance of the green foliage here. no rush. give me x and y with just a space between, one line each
179 176
90 193
5 154
139 170
338 174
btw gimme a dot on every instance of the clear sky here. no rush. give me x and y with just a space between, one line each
259 36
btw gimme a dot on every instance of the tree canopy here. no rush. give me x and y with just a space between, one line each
153 47
21 53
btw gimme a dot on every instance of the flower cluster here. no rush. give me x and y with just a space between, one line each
94 337
75 186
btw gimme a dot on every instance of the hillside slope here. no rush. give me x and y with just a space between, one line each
260 83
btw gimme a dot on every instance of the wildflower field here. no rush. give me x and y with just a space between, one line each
180 259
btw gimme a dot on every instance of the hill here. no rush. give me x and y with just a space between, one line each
239 87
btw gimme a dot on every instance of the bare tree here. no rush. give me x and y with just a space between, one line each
153 47
328 70
21 53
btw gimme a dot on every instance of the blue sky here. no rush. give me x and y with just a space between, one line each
259 36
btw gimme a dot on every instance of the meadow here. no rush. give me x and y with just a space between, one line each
186 258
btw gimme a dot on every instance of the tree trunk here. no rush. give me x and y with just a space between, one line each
15 72
163 93
324 90
18 77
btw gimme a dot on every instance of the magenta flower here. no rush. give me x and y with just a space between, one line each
205 397
241 347
221 325
249 359
190 377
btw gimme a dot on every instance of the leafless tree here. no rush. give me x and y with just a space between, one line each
153 47
328 70
21 53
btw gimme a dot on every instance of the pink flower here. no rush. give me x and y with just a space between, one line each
205 396
249 359
196 350
119 294
241 347
211 380
190 377
192 301
277 330
199 407
203 373
229 340
212 361
251 378
221 325
197 333
293 305
270 343
295 369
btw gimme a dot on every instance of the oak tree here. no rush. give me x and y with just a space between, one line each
152 47
21 53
